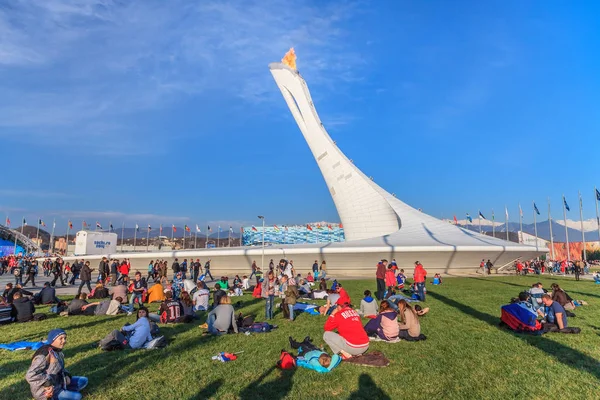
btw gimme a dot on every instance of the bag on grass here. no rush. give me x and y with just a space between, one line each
286 361
153 329
245 321
156 343
519 319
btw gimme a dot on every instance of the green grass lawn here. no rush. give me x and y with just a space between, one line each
466 355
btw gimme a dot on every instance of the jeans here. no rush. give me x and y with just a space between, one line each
394 299
211 325
291 308
207 273
72 281
154 317
18 280
251 275
269 306
135 295
380 289
421 290
72 393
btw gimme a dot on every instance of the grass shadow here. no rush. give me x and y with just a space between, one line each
368 390
208 391
277 389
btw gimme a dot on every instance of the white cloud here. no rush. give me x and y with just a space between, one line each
77 69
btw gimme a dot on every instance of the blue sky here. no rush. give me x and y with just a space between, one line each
165 112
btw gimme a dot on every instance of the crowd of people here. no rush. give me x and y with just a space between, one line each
392 313
552 267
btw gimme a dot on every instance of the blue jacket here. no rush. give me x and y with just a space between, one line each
310 360
140 333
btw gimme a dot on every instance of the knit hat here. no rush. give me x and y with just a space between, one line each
55 333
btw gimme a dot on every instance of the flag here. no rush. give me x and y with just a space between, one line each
70 225
42 223
481 215
149 228
341 226
230 229
111 226
187 228
137 228
7 221
160 229
53 224
85 225
208 228
174 228
455 220
566 205
254 228
493 217
197 228
520 211
220 228
276 228
506 212
469 218
330 227
597 194
536 209
98 225
309 227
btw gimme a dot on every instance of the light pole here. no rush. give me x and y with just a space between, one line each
262 260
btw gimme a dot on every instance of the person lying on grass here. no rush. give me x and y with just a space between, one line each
47 376
221 320
80 306
311 357
368 306
351 339
384 325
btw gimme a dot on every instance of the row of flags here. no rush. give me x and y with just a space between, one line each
535 209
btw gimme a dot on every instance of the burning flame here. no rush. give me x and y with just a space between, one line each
290 59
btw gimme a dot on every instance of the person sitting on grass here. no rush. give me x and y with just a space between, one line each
99 292
46 296
47 376
224 283
384 326
304 288
218 294
170 311
310 279
322 284
78 306
245 282
221 320
410 328
368 306
136 335
351 339
332 299
562 297
114 306
156 293
201 297
188 305
556 316
120 290
437 279
22 308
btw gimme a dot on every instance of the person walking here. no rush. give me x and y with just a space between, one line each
254 266
577 270
57 272
207 270
30 271
380 275
419 277
86 277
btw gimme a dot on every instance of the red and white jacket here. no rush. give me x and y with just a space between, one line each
349 326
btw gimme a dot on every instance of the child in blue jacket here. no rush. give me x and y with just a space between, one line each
311 357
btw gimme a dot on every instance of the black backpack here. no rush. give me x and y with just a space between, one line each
245 321
110 342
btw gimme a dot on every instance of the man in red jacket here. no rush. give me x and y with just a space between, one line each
344 297
420 275
380 275
351 339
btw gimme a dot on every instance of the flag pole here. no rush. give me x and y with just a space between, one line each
520 224
493 224
135 236
51 244
196 239
582 231
535 225
148 239
67 247
597 217
479 222
218 236
229 237
566 228
122 235
206 244
183 245
37 236
506 214
551 236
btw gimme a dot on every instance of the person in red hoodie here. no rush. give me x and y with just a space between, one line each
390 281
351 339
419 276
124 271
380 275
344 297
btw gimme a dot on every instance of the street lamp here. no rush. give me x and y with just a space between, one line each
262 260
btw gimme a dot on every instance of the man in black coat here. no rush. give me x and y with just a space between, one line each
86 277
22 308
57 271
30 271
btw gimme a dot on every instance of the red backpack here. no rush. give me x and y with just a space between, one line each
286 361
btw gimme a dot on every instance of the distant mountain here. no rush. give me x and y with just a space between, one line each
543 231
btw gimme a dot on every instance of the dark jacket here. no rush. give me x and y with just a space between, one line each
47 295
291 294
380 271
100 293
103 268
86 273
175 267
23 309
